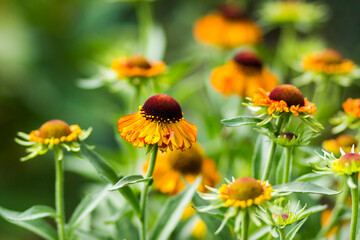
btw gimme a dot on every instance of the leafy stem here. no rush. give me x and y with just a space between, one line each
59 197
355 206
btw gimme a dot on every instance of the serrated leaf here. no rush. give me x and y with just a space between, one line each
291 234
128 180
85 207
37 226
109 175
35 212
171 213
304 187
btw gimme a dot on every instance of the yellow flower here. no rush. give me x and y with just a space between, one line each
242 75
227 28
352 107
159 121
172 166
245 192
284 98
348 163
137 66
344 141
55 132
328 62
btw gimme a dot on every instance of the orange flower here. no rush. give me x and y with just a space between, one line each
245 192
329 62
352 107
227 28
159 121
284 98
242 75
172 166
344 141
137 66
55 132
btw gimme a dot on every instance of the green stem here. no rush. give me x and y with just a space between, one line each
340 200
355 206
245 225
282 233
144 192
146 22
288 163
271 158
59 198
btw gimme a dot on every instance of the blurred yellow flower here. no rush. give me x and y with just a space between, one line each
137 66
227 28
344 141
242 75
352 107
328 62
172 166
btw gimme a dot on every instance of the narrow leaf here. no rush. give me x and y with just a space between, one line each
85 207
109 175
35 212
309 176
291 234
304 187
128 180
37 226
241 121
172 211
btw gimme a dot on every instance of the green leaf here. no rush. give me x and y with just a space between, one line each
291 234
82 234
260 156
309 176
241 121
171 213
37 226
35 212
281 168
312 210
260 233
128 180
109 175
304 187
85 207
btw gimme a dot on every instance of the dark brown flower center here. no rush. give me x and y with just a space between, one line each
248 61
54 129
138 61
231 11
187 162
289 136
245 188
162 108
288 93
331 56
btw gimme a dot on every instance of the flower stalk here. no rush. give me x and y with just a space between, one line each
59 197
143 198
355 205
288 164
245 225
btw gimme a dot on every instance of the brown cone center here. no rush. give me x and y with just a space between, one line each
288 93
138 61
162 108
54 129
187 162
245 188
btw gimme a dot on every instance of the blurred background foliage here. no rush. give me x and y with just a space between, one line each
47 45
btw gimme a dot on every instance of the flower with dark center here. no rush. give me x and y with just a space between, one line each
227 28
242 75
137 66
289 136
159 121
284 98
328 62
173 167
245 192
